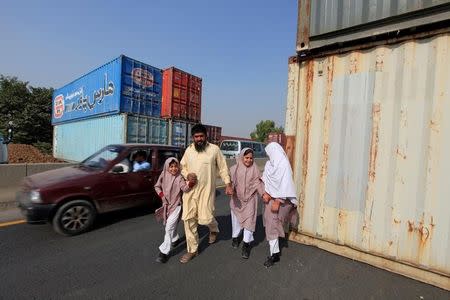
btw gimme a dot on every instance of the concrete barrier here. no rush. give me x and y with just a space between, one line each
12 174
39 168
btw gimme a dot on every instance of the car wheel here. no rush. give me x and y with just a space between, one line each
74 217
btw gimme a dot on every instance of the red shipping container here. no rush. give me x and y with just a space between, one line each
195 98
279 138
175 94
181 95
214 134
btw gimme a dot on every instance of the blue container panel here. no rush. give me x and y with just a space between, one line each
145 108
147 130
96 93
141 83
190 140
179 133
76 141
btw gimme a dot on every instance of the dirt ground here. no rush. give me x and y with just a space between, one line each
20 153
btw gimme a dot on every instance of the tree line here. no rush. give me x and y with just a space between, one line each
30 110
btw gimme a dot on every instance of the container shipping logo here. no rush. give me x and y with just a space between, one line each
77 100
58 108
142 77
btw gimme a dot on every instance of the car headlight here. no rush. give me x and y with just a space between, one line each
35 196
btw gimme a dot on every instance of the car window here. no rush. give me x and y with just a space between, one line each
229 146
101 159
246 145
257 147
165 154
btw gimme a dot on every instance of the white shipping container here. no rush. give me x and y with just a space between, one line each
75 141
368 134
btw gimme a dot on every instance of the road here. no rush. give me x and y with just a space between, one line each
116 260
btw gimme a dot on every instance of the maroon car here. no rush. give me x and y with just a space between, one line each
108 180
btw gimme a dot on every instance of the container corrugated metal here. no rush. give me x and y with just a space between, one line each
324 22
141 88
147 130
331 15
75 141
214 134
181 97
122 85
195 98
175 94
371 136
181 133
190 140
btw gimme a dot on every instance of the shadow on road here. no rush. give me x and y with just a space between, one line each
114 217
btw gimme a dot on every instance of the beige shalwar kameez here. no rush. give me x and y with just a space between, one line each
198 204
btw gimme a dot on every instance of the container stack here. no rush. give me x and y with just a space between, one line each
126 101
181 106
181 96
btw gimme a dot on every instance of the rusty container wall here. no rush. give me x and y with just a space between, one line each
327 22
371 154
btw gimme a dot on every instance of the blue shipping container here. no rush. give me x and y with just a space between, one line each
75 141
122 85
146 130
181 133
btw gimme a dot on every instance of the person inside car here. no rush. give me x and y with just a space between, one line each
140 164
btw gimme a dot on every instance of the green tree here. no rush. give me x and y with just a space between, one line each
30 110
263 128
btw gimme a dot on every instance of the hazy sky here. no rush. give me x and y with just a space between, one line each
239 48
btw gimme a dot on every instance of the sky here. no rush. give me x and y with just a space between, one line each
239 48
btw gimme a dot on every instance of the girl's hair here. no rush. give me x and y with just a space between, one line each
248 151
173 162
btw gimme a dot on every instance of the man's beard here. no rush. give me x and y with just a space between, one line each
200 146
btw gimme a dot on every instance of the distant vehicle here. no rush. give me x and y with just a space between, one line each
4 144
71 197
231 148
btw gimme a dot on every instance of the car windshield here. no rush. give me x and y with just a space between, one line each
101 159
229 146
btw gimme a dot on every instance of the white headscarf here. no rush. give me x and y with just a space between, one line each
277 176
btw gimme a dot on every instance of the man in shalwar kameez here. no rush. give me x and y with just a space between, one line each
201 162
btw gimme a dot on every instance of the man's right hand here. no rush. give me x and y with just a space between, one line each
229 190
266 198
192 177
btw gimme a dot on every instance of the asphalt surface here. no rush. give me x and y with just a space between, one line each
116 260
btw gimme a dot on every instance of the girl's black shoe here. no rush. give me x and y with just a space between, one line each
271 260
176 243
235 243
245 250
162 258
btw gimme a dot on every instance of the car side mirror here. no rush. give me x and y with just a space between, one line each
117 169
